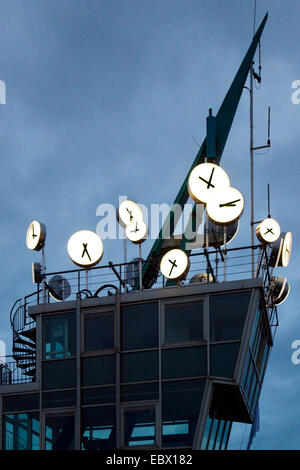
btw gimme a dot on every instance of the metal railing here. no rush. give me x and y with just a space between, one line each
218 265
11 373
213 265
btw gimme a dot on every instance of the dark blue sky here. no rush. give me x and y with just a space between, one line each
104 98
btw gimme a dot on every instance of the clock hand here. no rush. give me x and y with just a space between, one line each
130 214
85 251
269 230
33 234
211 175
207 182
173 265
136 229
231 203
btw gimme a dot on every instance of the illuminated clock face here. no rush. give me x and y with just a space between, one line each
286 249
36 235
127 212
175 264
205 179
225 206
85 248
268 231
137 231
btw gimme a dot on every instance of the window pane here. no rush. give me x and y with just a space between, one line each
60 432
26 401
184 322
59 374
139 427
99 332
99 395
99 370
223 359
59 336
225 435
181 401
98 428
184 362
139 392
227 313
213 434
140 326
206 433
219 435
21 431
140 366
59 399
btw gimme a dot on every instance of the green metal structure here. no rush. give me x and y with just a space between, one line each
212 148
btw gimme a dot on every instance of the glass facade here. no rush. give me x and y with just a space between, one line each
227 313
143 375
256 360
21 431
60 432
59 336
98 428
99 332
179 421
183 321
139 427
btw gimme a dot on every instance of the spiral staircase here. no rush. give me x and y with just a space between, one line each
24 340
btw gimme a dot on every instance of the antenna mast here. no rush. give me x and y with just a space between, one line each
254 76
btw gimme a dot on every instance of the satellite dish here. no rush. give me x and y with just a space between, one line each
59 287
201 277
283 295
216 233
280 290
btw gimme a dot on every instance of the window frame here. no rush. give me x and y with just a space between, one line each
97 313
141 406
171 344
53 413
43 345
121 320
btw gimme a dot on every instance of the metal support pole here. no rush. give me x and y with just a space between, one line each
78 376
140 266
87 279
125 260
251 168
225 252
44 273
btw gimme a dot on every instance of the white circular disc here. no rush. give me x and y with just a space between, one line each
225 206
204 179
174 264
286 249
127 212
85 248
137 231
36 235
284 295
268 231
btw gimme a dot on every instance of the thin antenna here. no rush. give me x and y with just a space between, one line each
269 125
269 210
254 17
